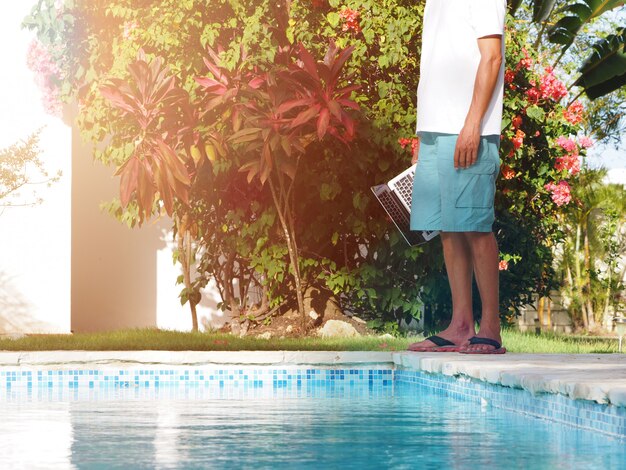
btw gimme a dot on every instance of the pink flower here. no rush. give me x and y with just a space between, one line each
574 113
39 60
503 265
585 142
552 87
567 144
509 76
560 192
129 27
350 19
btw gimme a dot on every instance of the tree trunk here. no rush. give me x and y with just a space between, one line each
578 283
540 313
292 248
229 294
588 290
185 258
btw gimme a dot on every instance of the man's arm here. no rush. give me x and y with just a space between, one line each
491 59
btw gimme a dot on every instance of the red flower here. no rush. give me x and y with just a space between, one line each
509 76
518 140
526 62
517 121
574 113
533 95
350 19
503 265
569 162
507 172
414 141
319 3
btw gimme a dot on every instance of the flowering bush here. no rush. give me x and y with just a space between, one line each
346 244
541 156
47 76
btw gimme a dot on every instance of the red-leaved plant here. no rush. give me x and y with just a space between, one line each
262 119
275 115
161 125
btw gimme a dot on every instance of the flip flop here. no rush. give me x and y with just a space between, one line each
441 345
498 349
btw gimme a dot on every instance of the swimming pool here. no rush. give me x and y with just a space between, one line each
372 416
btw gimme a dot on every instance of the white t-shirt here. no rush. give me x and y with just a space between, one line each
449 62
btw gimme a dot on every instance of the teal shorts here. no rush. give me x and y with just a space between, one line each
449 199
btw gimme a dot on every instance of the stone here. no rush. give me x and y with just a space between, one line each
314 315
386 336
266 335
337 329
289 329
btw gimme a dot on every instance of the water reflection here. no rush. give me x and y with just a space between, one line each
332 426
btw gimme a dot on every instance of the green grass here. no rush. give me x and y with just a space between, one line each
152 339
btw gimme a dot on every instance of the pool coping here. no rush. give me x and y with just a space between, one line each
600 378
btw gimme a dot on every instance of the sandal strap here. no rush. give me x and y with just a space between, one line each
439 341
487 341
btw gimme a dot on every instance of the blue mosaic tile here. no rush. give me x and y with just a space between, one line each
607 419
226 381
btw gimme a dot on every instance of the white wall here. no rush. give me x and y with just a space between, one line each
34 241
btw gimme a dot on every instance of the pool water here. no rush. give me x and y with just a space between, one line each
397 425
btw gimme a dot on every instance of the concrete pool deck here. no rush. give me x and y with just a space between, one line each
596 377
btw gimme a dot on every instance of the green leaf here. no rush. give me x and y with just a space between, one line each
333 18
536 113
605 69
542 9
577 14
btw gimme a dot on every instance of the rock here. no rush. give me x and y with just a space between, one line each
266 335
289 329
337 329
313 314
386 336
358 320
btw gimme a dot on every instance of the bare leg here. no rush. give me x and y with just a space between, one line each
484 248
458 258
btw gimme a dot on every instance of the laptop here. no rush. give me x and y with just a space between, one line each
395 197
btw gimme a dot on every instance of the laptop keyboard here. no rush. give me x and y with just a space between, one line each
404 188
398 214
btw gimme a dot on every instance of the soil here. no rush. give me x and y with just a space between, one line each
319 307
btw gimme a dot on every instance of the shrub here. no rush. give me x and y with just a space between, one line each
345 244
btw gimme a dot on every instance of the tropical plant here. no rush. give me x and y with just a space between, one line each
277 114
604 70
594 224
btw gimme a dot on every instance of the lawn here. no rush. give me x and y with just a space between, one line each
153 339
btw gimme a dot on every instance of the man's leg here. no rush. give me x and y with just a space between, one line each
485 257
458 258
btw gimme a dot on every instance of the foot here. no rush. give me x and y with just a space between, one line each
458 336
490 334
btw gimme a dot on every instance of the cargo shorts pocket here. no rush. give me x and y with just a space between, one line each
475 185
